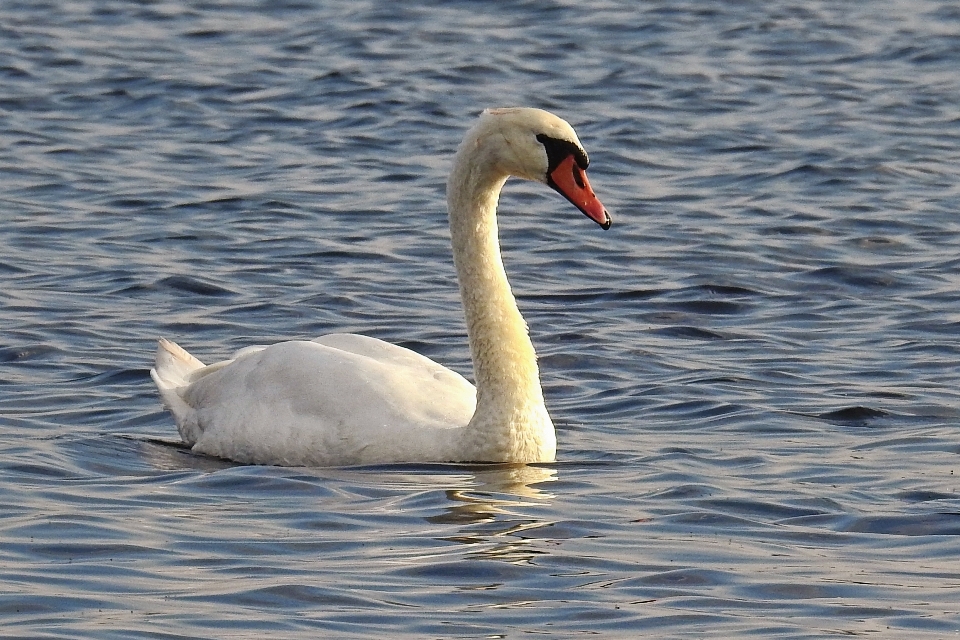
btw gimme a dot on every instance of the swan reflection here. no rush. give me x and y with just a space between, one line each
499 511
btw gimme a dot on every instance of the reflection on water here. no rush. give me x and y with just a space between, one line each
496 510
514 480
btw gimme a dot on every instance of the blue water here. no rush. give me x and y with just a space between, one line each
755 373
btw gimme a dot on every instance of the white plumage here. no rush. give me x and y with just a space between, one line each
349 399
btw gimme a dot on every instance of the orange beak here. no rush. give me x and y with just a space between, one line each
571 182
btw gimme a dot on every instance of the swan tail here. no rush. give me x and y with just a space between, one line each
171 373
173 364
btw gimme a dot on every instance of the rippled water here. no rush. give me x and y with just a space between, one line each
755 373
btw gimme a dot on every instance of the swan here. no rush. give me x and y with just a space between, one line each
346 399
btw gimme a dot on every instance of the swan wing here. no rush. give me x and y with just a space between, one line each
339 399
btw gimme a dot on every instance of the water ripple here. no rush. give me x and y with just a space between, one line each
753 373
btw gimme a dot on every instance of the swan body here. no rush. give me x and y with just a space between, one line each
346 399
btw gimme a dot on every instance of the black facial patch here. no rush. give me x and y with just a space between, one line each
559 150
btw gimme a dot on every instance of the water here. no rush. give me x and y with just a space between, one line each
754 373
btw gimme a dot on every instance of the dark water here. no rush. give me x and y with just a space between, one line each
755 373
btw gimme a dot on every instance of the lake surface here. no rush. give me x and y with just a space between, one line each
755 374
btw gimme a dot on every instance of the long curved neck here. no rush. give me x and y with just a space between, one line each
504 361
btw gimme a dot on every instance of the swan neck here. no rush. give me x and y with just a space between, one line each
504 361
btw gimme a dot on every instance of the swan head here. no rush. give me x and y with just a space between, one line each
534 144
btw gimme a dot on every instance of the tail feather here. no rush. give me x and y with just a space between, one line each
170 373
174 364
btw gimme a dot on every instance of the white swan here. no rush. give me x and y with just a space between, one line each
349 399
